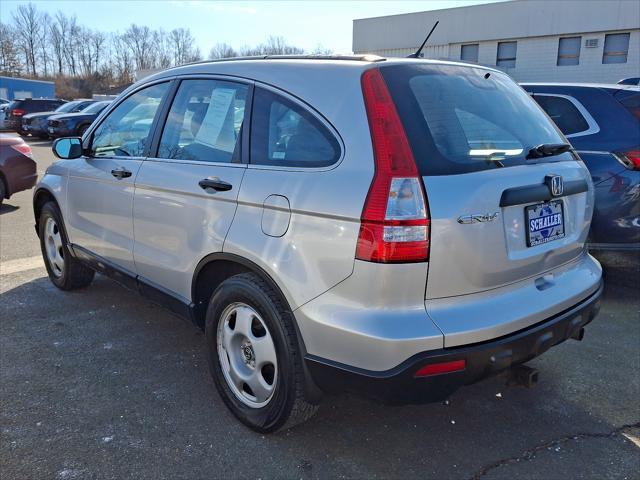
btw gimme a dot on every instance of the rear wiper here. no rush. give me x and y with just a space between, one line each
548 150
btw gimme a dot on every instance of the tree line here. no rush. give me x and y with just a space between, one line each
82 60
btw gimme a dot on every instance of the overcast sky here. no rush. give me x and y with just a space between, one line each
306 24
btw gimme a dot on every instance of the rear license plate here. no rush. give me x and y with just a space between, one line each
545 223
51 130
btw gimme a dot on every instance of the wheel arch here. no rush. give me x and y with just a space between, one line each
214 269
42 196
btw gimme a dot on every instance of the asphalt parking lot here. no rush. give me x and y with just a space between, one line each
101 383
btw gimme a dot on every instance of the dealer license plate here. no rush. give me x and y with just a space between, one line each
545 223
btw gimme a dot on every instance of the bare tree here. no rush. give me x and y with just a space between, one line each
28 30
98 42
57 44
121 58
43 43
222 50
320 50
140 42
181 45
163 46
10 63
277 45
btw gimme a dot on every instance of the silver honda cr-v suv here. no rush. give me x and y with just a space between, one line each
394 227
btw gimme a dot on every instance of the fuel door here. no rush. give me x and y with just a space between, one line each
276 214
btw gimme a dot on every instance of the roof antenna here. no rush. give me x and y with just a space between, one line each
417 54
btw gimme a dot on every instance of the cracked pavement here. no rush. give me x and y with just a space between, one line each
103 384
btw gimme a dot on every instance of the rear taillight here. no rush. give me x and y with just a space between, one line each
395 221
23 148
17 112
630 158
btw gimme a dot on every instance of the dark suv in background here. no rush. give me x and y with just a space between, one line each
602 122
69 124
36 123
19 108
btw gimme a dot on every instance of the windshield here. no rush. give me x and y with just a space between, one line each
95 107
66 107
461 119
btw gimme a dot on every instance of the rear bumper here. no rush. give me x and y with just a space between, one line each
400 386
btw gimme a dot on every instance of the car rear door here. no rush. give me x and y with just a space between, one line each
497 217
186 191
101 183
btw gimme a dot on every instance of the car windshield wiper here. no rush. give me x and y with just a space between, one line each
548 150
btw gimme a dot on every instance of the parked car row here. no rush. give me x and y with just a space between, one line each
50 118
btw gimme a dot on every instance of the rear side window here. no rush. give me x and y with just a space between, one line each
285 134
205 122
564 113
632 103
463 119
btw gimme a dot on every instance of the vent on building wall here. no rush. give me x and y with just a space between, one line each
591 42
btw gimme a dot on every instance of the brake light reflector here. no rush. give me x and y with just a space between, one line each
395 222
23 148
438 368
630 158
17 112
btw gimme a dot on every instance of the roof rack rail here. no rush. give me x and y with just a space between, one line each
358 58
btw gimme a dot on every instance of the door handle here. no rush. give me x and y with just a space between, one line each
216 184
120 173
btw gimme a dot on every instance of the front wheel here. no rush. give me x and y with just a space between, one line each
65 271
254 356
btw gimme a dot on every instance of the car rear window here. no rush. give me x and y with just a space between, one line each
462 119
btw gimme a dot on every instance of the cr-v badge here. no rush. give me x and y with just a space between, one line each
477 218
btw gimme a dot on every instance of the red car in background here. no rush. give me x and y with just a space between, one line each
17 168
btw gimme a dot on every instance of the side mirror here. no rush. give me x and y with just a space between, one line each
67 148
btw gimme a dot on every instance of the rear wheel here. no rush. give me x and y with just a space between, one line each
65 272
254 356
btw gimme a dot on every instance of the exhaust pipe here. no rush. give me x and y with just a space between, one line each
523 376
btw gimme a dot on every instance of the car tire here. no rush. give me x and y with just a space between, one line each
65 271
269 321
3 190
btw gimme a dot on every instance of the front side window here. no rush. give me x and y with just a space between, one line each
205 122
616 48
286 134
507 54
569 51
124 132
564 113
469 53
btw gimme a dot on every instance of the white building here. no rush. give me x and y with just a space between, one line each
532 40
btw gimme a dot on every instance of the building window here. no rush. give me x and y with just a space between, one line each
569 51
469 53
506 54
616 47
